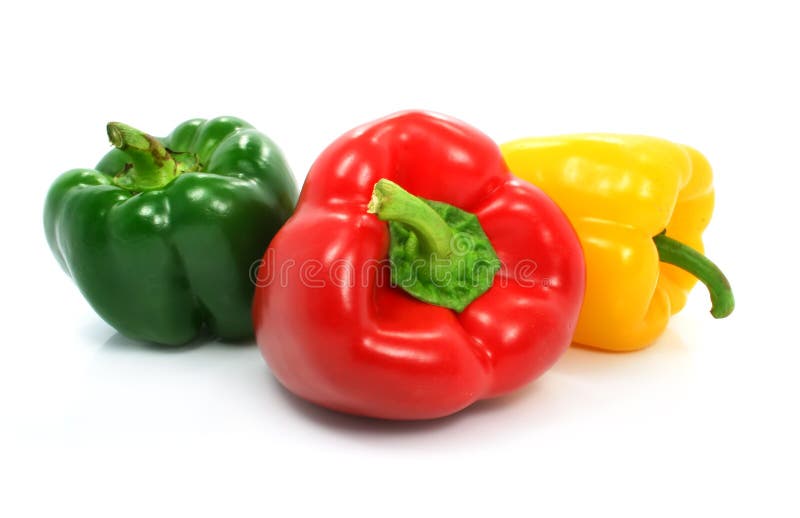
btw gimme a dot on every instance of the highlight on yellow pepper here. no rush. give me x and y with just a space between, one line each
639 205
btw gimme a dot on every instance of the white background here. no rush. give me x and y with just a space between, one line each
705 421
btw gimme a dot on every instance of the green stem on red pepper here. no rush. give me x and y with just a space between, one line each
390 202
439 254
687 258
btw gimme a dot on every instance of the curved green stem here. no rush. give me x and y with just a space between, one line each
151 165
687 258
390 202
427 261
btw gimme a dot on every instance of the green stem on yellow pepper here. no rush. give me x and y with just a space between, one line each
687 258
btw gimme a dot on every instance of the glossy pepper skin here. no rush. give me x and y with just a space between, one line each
620 191
161 256
335 332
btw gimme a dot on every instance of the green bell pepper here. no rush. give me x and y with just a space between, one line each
161 236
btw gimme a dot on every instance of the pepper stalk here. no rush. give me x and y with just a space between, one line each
674 252
151 165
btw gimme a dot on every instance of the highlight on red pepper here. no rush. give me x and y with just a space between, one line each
417 275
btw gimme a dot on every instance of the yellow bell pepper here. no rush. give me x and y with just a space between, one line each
621 192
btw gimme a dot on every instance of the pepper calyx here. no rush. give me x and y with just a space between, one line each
438 253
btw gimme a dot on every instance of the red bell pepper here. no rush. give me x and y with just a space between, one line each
338 329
